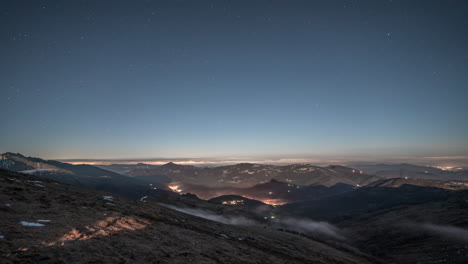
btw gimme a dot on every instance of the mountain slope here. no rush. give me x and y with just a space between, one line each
48 222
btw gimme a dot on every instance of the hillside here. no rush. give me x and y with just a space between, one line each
49 222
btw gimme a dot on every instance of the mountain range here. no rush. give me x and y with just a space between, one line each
50 210
246 174
413 171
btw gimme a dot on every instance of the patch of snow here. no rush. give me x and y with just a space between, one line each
2 236
30 224
108 198
39 185
15 180
44 221
142 199
7 204
34 171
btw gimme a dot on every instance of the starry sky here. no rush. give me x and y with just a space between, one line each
131 79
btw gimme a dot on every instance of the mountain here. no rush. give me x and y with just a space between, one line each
44 221
78 175
362 200
413 171
246 175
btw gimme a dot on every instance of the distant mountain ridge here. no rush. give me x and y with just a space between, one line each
398 182
413 171
246 174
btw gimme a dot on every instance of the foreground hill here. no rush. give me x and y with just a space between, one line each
247 175
77 175
49 222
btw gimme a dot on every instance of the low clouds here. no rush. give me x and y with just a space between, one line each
309 226
450 232
237 220
299 225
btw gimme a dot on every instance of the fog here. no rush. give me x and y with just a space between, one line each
309 226
232 220
293 224
451 232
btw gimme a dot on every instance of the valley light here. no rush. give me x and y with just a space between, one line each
175 188
270 193
234 202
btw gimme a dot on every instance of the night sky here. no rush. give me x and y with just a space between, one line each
130 79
